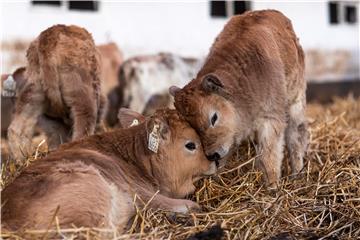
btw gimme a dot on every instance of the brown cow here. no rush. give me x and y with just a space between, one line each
63 81
252 83
111 60
95 181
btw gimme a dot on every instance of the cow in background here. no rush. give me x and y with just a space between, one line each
111 60
147 78
62 89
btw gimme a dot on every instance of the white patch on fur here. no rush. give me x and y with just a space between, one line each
296 110
265 130
267 133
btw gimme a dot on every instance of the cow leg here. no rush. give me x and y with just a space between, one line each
56 131
270 150
172 204
102 111
103 105
297 135
159 201
80 97
29 106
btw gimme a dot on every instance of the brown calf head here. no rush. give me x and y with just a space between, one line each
210 111
178 160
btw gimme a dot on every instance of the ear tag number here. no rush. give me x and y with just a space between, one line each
135 122
9 87
153 144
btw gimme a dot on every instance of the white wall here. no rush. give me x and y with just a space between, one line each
169 26
136 27
311 23
185 28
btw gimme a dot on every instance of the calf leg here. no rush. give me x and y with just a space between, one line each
103 105
297 136
270 150
80 97
102 111
29 107
160 201
56 131
172 204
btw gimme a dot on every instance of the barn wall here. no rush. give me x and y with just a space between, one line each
187 28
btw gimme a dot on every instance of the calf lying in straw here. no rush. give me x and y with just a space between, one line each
252 83
94 181
63 82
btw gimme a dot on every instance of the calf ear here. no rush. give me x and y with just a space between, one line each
129 118
164 129
211 83
173 90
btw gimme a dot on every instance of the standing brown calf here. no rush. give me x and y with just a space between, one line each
252 83
93 181
63 81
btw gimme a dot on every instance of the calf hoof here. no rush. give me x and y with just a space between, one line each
187 206
272 188
297 176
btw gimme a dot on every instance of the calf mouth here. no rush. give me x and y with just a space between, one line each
212 170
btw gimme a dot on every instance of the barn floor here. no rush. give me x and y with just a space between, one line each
323 202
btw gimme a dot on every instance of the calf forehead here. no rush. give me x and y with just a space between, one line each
193 105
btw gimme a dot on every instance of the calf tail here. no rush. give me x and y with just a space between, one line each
51 85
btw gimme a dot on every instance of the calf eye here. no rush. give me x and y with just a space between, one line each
214 119
191 146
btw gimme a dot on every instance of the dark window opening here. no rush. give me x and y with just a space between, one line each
334 12
218 8
84 5
350 14
241 6
47 3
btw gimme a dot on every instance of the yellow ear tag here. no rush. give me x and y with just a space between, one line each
135 122
153 140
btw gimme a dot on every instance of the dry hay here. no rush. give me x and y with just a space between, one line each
324 203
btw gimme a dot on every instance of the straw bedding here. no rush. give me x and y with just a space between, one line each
322 203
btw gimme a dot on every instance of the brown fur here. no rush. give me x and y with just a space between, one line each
158 101
111 60
253 78
63 73
93 181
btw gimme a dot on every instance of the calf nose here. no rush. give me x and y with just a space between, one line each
214 157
